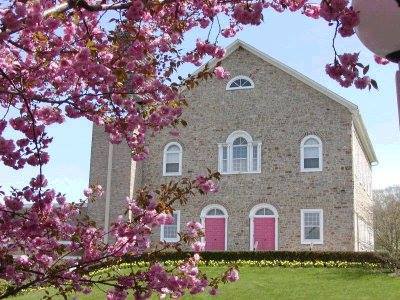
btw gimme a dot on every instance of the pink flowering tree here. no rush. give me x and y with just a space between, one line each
113 63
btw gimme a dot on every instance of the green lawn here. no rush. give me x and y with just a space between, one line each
294 283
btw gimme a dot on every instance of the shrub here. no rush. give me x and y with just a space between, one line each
370 257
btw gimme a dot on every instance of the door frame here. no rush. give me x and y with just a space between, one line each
203 216
252 215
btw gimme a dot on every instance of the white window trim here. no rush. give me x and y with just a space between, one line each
253 215
302 169
229 88
178 229
319 241
203 216
179 173
229 144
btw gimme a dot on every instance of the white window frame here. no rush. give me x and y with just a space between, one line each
203 216
253 215
319 241
178 229
229 88
320 152
229 145
179 173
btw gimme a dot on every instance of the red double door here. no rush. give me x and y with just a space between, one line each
215 234
264 233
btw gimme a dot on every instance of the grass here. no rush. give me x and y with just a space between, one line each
292 283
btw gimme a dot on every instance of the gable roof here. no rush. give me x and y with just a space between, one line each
357 120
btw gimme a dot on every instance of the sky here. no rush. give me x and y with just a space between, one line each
297 41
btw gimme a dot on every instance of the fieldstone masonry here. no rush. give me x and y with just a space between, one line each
279 111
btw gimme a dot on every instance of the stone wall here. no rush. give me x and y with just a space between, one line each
123 175
279 112
98 173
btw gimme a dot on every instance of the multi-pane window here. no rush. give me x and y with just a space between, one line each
172 159
264 212
311 154
240 154
169 232
311 226
224 167
215 212
255 158
240 83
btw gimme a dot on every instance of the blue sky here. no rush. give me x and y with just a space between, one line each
295 40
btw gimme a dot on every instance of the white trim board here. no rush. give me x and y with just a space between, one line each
357 120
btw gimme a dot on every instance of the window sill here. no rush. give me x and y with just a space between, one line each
238 173
240 88
310 170
169 240
172 174
312 242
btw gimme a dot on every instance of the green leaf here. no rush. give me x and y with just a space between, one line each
365 70
374 84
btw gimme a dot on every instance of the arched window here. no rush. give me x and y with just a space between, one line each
311 154
215 212
239 154
264 212
240 83
172 164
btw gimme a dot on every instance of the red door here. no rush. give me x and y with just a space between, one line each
264 233
215 234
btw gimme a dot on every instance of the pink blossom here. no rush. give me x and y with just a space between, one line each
349 59
229 32
13 203
88 192
23 260
379 60
194 229
116 294
312 11
198 246
362 83
206 185
248 14
221 73
232 275
331 9
213 291
135 11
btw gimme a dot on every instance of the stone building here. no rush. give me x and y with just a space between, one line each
295 161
